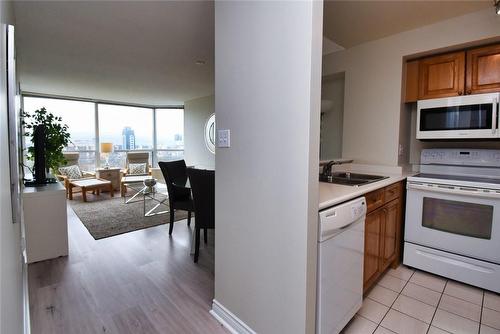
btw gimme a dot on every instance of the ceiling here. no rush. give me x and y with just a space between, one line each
350 23
146 51
141 52
330 47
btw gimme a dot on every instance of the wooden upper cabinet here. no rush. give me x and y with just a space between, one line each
411 91
483 70
441 76
474 71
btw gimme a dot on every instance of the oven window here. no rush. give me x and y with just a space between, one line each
468 117
469 219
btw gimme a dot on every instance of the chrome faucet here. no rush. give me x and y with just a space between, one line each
327 169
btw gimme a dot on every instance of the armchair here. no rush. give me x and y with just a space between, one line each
72 160
137 158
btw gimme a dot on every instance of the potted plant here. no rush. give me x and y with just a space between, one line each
57 136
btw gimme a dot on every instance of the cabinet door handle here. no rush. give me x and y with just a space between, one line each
460 92
469 92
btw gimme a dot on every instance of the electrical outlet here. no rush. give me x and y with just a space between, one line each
224 138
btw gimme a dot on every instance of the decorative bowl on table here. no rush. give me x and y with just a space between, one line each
150 183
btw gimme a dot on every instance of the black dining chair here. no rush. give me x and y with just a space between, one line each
179 196
203 188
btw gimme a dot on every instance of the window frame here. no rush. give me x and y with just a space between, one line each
154 151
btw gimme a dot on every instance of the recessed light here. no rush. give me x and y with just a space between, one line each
497 6
200 62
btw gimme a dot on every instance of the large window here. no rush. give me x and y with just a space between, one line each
80 118
169 134
128 128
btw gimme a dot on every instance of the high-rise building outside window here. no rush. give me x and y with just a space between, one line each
128 128
128 138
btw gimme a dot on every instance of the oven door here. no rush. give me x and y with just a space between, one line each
472 116
456 220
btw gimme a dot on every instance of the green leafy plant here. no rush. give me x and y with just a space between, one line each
57 138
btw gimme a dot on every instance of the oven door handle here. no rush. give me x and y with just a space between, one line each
453 190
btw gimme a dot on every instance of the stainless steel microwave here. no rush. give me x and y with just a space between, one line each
460 117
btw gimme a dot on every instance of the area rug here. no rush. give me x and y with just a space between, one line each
105 217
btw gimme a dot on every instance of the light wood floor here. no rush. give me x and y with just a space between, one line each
138 282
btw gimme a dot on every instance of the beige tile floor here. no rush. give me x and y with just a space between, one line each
408 301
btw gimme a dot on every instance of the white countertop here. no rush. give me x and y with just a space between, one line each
331 194
45 189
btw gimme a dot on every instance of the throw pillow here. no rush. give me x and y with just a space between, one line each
71 172
137 169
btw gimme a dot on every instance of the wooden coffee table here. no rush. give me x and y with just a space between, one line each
95 185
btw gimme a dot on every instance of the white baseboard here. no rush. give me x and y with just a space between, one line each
229 320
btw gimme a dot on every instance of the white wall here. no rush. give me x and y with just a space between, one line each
332 89
196 114
267 92
11 311
373 91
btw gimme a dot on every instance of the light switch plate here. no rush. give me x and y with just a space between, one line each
224 138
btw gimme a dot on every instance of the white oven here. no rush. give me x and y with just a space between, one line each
452 225
469 116
461 220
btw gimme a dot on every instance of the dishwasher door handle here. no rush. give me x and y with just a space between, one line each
328 232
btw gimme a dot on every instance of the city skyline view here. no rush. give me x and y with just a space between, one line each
80 142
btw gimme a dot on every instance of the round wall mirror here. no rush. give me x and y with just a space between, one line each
210 133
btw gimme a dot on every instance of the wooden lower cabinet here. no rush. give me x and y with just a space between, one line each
390 232
373 232
383 235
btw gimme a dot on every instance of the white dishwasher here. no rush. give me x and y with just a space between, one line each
340 265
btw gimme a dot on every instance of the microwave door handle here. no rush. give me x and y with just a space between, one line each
453 190
494 116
